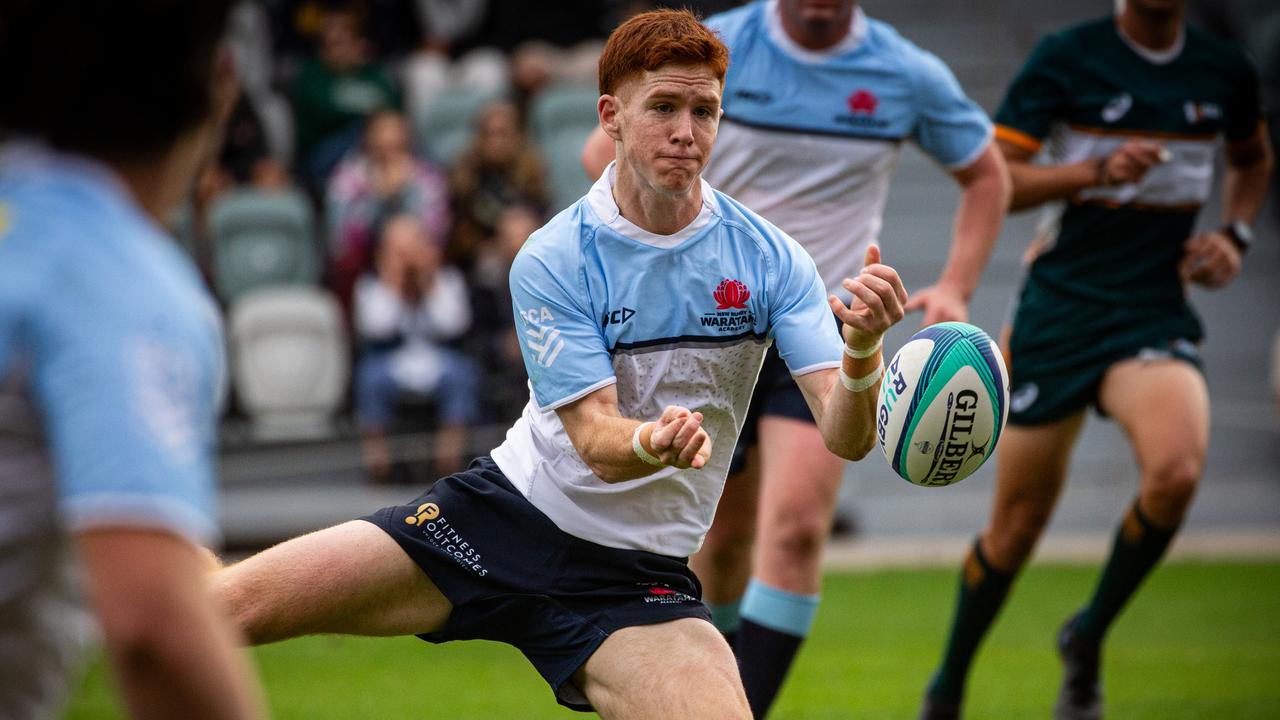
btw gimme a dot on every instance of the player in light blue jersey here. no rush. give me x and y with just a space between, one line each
645 311
110 358
818 102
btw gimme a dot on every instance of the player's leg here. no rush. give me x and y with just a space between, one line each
800 481
1163 407
723 565
351 578
1031 466
677 669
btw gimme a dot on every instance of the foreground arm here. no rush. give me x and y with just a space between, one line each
171 651
983 203
606 441
844 401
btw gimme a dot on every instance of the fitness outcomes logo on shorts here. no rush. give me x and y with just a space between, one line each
731 313
439 532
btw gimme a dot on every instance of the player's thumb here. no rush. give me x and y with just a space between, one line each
872 256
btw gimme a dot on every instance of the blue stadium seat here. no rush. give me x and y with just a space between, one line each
261 239
561 107
447 125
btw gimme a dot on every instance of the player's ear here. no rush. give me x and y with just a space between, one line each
609 107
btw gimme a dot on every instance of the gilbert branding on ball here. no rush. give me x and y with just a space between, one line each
943 403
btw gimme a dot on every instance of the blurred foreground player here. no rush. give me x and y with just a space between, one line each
645 311
818 100
110 356
1134 104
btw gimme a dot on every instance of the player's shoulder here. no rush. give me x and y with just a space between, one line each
732 24
1220 53
918 65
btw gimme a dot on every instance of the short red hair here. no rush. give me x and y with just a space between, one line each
652 39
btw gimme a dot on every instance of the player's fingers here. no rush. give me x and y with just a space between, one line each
917 301
843 312
888 297
703 455
872 255
866 295
690 427
691 448
661 437
889 275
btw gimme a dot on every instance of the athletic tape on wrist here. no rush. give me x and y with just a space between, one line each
641 453
860 354
862 383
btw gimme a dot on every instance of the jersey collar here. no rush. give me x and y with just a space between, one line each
1155 57
773 23
600 198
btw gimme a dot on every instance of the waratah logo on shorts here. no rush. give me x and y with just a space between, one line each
862 102
731 294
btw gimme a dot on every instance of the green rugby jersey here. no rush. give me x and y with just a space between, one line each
1087 90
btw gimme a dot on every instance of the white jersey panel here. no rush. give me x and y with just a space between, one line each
671 320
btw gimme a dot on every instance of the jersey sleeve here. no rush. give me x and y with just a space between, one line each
1036 98
130 402
949 126
564 350
1244 106
800 320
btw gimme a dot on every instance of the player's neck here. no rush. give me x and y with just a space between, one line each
817 36
160 184
651 210
1152 31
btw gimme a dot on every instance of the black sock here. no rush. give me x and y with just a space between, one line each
982 592
1139 545
764 658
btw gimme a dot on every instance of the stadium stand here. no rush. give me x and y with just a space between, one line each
261 239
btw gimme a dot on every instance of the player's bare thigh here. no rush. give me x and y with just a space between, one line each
677 669
351 578
1163 406
799 485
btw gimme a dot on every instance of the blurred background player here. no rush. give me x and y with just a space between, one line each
1134 104
570 542
817 103
110 356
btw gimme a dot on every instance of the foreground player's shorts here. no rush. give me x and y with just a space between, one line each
1061 347
514 577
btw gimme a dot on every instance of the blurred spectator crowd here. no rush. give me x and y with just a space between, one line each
385 162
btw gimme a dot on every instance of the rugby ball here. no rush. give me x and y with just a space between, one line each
944 400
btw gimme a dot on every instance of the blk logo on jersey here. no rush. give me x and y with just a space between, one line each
862 102
755 96
616 317
731 313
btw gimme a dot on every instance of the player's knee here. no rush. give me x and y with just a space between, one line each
728 554
1008 546
1172 482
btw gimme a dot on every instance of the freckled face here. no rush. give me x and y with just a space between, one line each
667 125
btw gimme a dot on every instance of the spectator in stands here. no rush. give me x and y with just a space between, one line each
494 342
406 311
499 170
333 93
384 180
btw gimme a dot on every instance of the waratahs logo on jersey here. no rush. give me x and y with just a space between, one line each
731 313
731 294
862 102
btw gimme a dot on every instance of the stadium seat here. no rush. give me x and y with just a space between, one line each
444 129
262 239
289 361
561 107
562 152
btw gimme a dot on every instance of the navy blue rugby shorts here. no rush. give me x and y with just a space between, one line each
513 576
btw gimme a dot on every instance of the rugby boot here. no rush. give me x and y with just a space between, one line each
1080 697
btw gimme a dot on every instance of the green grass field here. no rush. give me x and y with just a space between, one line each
1200 641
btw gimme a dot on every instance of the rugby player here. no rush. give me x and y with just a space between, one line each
111 371
645 310
1134 105
817 101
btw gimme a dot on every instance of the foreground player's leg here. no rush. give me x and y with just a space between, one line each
1164 408
351 578
800 480
677 669
1030 469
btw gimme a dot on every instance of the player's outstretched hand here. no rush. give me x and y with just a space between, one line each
1210 259
940 303
1130 162
678 438
878 300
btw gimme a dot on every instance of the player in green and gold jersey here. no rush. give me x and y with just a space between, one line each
1131 108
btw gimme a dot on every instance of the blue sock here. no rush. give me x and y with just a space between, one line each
774 624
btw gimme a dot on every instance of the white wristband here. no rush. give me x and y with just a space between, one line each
641 453
862 383
868 352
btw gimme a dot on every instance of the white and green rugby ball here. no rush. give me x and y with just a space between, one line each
943 403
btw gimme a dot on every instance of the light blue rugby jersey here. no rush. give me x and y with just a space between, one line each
679 319
810 139
113 343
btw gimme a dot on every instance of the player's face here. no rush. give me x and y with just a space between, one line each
667 124
818 14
